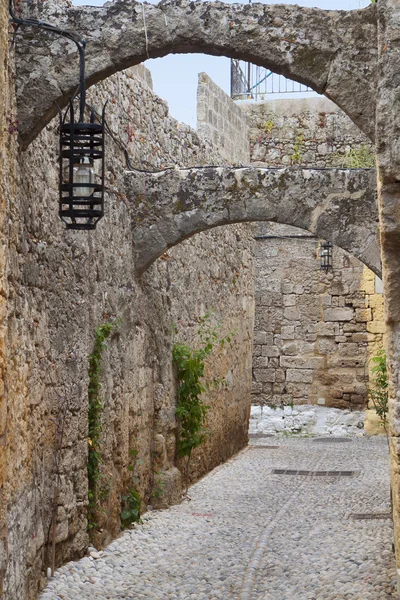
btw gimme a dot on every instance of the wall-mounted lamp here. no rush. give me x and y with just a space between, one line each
81 187
325 255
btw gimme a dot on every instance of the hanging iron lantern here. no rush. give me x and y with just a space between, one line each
325 255
81 187
81 171
81 204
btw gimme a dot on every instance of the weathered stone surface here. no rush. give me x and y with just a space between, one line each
311 342
338 314
307 132
222 122
334 52
60 286
335 204
299 375
7 175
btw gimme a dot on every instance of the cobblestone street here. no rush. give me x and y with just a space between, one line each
249 534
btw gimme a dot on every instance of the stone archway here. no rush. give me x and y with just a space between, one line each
335 204
326 50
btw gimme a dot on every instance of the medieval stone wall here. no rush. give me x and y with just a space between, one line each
312 329
308 132
7 191
314 332
222 121
62 286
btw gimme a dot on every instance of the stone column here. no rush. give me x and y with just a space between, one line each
388 158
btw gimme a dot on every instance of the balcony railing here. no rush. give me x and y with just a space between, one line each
249 82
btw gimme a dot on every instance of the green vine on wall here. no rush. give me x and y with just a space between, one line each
378 393
191 409
96 493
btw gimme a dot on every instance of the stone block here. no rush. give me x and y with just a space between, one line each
338 314
287 287
358 399
291 313
298 289
363 315
327 329
349 349
326 300
346 363
289 300
279 388
260 362
353 327
257 350
264 375
270 351
307 347
376 327
287 332
360 302
291 348
373 424
170 482
256 387
302 362
261 337
299 375
280 375
298 390
326 346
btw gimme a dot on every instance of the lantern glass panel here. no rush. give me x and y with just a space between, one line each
83 178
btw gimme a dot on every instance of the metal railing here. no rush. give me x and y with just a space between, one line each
249 82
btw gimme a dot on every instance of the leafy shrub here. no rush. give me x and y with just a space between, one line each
378 393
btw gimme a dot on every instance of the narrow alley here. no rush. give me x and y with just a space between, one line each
251 534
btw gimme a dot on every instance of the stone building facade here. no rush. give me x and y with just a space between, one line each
314 331
60 286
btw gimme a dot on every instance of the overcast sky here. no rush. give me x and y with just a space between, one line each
175 76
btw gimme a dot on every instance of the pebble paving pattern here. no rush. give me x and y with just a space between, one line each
248 534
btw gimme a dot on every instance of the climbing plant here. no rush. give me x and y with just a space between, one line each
191 409
97 486
378 393
298 149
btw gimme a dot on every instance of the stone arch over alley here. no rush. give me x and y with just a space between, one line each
334 204
327 51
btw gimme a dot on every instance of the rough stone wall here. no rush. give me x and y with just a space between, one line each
312 329
307 132
372 287
314 332
8 134
62 286
222 121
